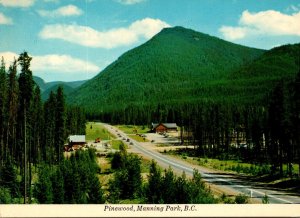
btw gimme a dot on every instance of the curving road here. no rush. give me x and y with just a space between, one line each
221 181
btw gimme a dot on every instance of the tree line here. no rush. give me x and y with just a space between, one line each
262 133
74 181
160 186
32 132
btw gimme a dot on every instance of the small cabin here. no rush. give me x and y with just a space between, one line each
164 127
76 141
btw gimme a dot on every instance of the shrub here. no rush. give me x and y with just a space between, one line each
241 199
265 199
5 197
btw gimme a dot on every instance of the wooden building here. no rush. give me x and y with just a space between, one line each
76 141
164 127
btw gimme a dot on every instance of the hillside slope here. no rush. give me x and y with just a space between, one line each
173 66
47 87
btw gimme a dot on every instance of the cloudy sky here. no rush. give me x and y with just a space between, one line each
76 39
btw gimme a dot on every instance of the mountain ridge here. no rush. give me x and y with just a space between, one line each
47 87
175 59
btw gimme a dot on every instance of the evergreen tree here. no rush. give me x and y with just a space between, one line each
49 130
26 93
296 114
168 187
60 120
3 111
43 188
153 188
8 178
95 192
134 180
5 197
38 127
13 107
182 190
58 186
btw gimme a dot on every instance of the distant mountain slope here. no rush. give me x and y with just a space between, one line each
47 87
67 90
173 66
40 82
255 80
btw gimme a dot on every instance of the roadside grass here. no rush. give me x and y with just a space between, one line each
138 138
145 165
97 130
240 167
233 166
116 144
132 129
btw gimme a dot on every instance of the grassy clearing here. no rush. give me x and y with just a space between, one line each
96 130
240 167
228 165
145 166
132 129
139 138
116 144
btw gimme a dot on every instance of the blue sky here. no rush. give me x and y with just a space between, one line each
75 39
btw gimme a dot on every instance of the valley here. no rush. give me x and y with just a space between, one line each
230 104
219 181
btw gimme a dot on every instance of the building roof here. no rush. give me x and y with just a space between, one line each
77 138
168 125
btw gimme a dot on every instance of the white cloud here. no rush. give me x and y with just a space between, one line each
87 36
65 11
5 20
130 2
55 63
234 33
62 63
263 23
17 3
9 57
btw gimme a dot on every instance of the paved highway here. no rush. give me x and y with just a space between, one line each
224 182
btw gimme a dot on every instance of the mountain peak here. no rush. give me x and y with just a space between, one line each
171 65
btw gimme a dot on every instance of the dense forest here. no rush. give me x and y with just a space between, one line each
32 132
230 102
223 96
176 65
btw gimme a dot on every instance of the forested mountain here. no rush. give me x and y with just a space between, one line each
177 64
254 81
47 87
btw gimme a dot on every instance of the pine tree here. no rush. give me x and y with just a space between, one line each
13 106
58 186
26 93
5 197
49 130
153 188
168 185
134 181
38 126
60 123
95 192
43 188
9 178
296 114
3 111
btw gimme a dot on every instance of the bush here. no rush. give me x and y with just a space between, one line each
5 197
265 199
241 199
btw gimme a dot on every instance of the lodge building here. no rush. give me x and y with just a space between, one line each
164 127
